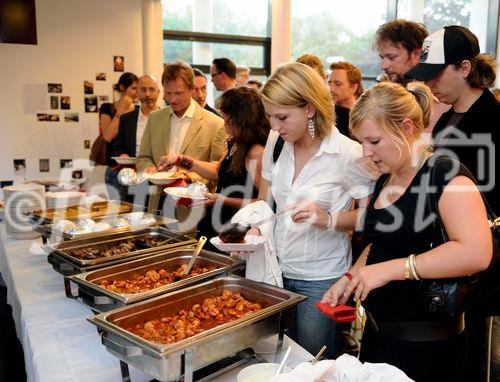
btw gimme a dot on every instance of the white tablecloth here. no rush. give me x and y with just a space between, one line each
59 344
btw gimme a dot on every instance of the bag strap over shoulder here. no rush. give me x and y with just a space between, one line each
432 200
278 147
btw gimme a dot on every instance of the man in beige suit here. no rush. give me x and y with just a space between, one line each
182 127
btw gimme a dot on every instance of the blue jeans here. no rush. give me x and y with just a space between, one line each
312 328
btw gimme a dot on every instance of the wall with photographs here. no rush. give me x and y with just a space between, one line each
46 120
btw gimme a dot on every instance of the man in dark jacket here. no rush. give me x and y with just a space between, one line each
132 125
457 74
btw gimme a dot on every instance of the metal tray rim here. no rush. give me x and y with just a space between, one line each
164 350
128 298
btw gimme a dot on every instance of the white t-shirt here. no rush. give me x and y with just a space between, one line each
179 128
332 178
142 120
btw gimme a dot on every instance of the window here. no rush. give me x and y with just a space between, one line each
197 31
235 17
337 30
481 17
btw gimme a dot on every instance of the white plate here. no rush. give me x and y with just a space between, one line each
125 160
180 192
252 243
162 178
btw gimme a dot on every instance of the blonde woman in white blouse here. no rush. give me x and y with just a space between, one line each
318 174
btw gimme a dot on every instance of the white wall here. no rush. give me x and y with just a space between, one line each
76 39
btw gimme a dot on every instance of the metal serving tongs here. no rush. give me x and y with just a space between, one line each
201 243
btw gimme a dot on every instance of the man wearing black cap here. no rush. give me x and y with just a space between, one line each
452 66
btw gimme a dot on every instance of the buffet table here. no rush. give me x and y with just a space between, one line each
58 343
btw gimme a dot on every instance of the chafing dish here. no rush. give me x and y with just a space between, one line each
101 299
62 260
89 210
171 362
47 228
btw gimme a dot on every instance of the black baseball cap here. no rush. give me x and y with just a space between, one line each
449 45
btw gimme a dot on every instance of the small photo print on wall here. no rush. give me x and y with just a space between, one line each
77 174
44 165
65 102
119 63
86 144
91 104
54 88
71 117
100 76
20 168
66 163
88 87
42 117
53 117
54 102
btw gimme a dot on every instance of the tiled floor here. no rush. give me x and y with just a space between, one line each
11 352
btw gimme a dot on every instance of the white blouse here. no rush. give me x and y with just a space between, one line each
332 178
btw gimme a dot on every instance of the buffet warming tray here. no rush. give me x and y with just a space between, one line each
101 299
46 229
89 210
62 260
170 362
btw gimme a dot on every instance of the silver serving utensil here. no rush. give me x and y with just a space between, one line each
201 243
272 217
320 353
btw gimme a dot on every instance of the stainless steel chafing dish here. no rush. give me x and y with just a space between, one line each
101 299
181 359
47 228
62 260
89 210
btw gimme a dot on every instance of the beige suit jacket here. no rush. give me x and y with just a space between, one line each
205 138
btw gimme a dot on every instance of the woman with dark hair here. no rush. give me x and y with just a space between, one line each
238 172
109 121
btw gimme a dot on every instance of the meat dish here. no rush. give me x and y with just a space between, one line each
152 279
235 233
118 248
212 312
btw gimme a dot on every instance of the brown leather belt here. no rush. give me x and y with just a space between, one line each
419 331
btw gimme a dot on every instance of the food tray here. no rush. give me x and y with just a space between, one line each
101 299
89 210
61 258
170 362
47 231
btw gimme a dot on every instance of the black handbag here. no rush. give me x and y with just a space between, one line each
452 297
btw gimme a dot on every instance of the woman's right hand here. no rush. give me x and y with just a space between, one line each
167 161
336 293
124 105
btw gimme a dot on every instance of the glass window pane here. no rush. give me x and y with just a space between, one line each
237 17
337 30
436 14
197 53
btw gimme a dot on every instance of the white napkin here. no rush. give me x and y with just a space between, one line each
262 265
345 369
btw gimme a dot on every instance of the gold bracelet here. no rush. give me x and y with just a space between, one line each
413 267
408 275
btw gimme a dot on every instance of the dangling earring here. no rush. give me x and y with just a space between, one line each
311 128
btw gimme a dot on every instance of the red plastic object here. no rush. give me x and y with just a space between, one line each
339 313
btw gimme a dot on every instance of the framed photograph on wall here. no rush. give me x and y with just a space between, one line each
65 102
54 102
54 88
119 63
44 165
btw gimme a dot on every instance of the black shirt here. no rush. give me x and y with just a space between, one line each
412 231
